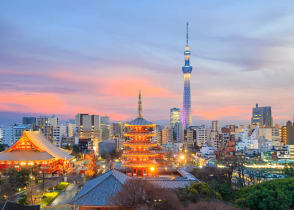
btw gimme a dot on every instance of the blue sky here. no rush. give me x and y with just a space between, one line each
67 57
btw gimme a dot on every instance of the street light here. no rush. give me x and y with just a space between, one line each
182 157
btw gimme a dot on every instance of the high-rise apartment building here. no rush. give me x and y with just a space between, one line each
12 133
105 128
46 125
202 134
70 129
215 126
290 133
262 116
191 137
179 132
8 135
167 135
1 135
284 134
287 133
117 130
29 121
175 116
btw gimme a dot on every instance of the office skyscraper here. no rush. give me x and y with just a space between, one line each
175 116
187 69
262 116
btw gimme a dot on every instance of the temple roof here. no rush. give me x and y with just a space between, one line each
139 121
97 191
42 149
24 156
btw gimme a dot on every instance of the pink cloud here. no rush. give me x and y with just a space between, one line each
239 112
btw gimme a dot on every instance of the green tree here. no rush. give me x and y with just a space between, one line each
269 195
288 170
76 150
23 199
219 179
196 192
18 179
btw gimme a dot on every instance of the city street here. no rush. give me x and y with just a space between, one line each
66 196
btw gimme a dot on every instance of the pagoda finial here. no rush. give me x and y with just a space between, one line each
140 106
187 35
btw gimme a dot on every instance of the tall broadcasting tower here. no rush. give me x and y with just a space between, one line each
187 69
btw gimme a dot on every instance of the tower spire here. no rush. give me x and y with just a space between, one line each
187 35
140 105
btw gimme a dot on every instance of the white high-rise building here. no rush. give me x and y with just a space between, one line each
179 132
1 135
8 135
167 135
12 133
71 129
105 128
215 126
202 134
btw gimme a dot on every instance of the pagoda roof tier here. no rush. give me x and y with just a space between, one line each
140 153
140 134
139 164
139 144
139 121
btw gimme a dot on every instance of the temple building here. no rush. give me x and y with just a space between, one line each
139 158
33 149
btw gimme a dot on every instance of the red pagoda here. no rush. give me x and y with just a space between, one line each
139 158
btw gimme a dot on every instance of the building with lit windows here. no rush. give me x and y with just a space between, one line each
175 116
88 131
262 116
284 134
167 135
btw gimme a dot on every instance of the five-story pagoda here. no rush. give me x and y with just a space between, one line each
139 159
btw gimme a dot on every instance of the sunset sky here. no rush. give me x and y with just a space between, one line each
68 57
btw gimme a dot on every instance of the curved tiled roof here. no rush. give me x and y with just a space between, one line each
139 121
40 141
24 156
44 146
98 191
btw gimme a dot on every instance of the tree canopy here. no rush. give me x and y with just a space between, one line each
274 194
